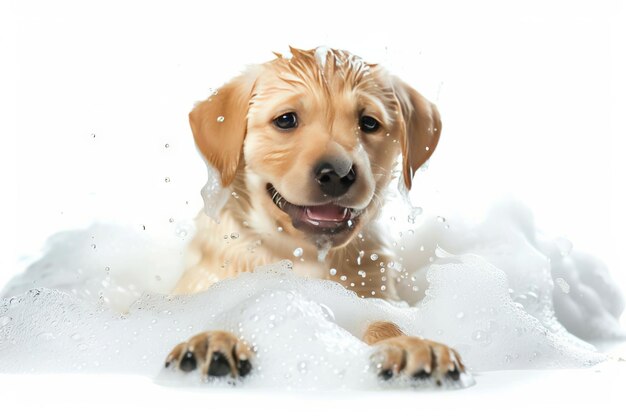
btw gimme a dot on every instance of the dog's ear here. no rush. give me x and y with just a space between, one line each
420 128
219 125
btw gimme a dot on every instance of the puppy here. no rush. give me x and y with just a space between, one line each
308 144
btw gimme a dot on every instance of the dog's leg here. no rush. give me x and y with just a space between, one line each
418 358
216 353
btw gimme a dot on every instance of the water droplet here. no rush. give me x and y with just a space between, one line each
374 257
482 337
181 232
234 235
332 272
327 312
220 119
167 179
298 252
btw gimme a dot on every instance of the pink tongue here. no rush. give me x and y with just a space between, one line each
327 213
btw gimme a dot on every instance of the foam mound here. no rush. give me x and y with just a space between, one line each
497 291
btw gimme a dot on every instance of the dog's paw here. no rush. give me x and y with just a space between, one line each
416 358
215 353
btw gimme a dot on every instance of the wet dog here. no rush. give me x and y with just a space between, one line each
307 144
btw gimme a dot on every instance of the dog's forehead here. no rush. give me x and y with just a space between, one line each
330 76
330 69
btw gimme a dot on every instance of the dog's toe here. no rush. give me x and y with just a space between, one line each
216 353
419 359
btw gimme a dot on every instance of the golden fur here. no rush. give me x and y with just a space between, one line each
330 91
249 153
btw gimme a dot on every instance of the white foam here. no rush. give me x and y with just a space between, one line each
494 306
486 288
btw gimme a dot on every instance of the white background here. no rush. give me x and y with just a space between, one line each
532 95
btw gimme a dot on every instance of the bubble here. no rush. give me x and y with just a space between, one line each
107 269
167 179
45 336
332 272
564 246
93 246
362 273
235 195
460 315
482 337
374 257
167 145
441 219
171 220
343 277
220 119
302 367
279 229
234 235
562 284
298 252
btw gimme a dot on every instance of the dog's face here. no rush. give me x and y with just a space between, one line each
311 141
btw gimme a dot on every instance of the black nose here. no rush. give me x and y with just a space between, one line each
330 182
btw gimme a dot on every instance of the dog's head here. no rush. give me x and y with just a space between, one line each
310 141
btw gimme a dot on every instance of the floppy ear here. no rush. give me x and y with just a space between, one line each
420 128
219 125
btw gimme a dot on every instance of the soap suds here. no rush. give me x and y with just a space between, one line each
496 290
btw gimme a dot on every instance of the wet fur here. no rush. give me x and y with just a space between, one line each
248 152
234 132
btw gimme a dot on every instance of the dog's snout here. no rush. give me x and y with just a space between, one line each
331 182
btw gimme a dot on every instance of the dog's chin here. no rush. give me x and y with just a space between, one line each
327 222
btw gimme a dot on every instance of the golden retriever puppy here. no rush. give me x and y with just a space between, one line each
307 144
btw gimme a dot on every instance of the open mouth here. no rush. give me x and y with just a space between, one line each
327 218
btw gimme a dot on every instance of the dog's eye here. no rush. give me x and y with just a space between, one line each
286 121
368 124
